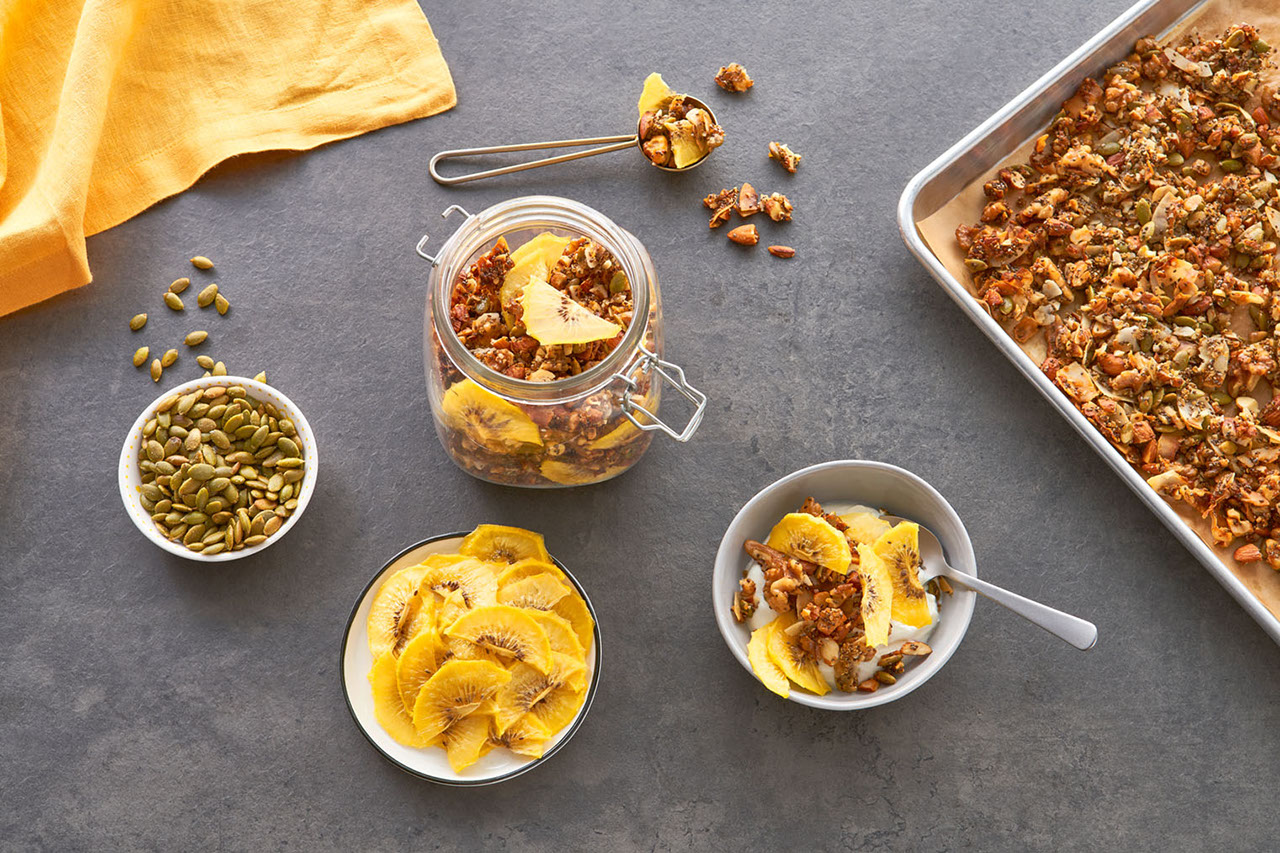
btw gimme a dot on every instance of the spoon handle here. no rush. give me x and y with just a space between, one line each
1073 629
617 143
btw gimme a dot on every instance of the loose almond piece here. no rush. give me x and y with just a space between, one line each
782 251
745 235
1248 554
748 200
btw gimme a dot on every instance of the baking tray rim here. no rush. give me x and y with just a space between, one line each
1005 344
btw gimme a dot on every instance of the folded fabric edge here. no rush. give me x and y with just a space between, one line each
59 271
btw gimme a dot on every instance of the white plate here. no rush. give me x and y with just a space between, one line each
432 763
850 481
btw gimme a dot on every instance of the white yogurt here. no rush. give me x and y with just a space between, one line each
898 632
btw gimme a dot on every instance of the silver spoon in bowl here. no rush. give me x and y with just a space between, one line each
1076 631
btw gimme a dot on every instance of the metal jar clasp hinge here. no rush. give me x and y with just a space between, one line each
650 363
435 259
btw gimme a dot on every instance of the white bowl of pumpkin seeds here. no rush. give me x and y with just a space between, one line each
218 468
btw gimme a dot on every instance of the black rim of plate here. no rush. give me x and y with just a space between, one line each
462 783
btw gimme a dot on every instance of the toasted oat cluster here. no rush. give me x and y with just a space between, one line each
1140 239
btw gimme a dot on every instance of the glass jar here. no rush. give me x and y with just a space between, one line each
580 429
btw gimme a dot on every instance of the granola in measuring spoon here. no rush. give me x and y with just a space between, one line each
1140 239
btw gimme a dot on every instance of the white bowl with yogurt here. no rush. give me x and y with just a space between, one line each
841 487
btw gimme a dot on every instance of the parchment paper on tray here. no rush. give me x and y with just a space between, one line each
938 231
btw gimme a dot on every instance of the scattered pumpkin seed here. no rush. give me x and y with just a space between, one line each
173 300
137 321
204 361
206 296
169 357
200 262
140 356
156 370
219 369
179 285
220 302
196 338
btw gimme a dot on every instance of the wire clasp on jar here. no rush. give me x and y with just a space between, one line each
422 252
650 363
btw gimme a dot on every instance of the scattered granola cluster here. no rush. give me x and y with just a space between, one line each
745 201
1141 239
787 158
734 78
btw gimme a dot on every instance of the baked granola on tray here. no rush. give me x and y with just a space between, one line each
1140 240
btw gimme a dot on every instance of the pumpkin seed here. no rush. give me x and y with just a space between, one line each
272 526
140 356
260 376
205 362
219 369
221 304
137 321
200 472
196 338
169 357
257 539
200 262
173 300
156 370
179 285
206 296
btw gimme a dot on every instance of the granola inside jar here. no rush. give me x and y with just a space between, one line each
543 346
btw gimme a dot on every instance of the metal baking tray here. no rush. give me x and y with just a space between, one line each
987 145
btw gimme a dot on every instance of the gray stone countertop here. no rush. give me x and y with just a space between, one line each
152 703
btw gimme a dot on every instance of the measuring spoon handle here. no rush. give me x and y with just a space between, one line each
615 143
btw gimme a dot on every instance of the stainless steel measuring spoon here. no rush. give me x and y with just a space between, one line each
606 143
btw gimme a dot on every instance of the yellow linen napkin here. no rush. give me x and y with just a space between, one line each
108 106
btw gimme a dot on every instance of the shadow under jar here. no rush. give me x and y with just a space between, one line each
577 429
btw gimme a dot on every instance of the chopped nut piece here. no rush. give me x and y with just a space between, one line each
1248 553
734 78
784 155
871 685
658 150
778 207
782 251
885 678
745 235
915 648
748 200
721 216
